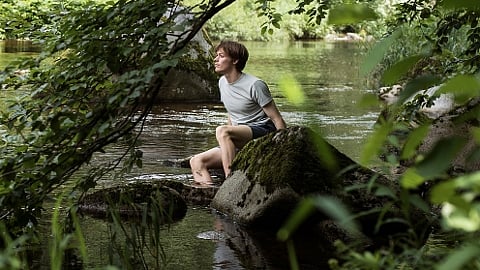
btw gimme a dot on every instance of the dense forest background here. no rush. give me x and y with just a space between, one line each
85 88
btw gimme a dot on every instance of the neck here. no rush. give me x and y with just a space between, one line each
232 76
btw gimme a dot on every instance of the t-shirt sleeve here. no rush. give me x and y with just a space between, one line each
261 93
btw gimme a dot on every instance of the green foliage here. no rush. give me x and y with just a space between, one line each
273 18
351 14
264 20
36 19
93 84
425 45
11 248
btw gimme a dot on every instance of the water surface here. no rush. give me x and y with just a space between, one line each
328 74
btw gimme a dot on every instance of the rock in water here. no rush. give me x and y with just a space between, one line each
270 175
134 200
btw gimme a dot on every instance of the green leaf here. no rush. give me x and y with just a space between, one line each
291 89
461 214
411 179
385 191
417 201
377 53
324 151
301 213
337 211
460 4
476 134
414 140
439 159
463 87
416 85
375 142
459 257
442 192
445 191
351 14
29 160
393 74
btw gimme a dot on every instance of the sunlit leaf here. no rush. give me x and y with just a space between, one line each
462 215
442 192
351 14
328 205
377 53
463 87
393 74
291 89
411 179
414 140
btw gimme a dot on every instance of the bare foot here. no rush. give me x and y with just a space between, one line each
203 184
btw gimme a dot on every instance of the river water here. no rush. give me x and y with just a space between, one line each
328 74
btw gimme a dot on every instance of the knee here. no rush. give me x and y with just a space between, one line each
195 162
222 132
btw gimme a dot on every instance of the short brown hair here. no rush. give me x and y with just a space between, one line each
236 51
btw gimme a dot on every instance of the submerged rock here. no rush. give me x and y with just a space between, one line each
169 198
135 200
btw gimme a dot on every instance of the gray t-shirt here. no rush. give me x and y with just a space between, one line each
244 99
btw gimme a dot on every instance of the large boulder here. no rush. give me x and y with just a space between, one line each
194 78
273 173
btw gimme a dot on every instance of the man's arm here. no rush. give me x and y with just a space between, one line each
229 121
272 112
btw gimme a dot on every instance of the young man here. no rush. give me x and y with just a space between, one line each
252 113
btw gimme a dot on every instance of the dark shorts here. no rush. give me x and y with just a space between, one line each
262 130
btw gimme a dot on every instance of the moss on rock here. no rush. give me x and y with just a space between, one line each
295 162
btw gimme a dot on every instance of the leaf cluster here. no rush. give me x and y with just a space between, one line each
429 43
93 84
33 19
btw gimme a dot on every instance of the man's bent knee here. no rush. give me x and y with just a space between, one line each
195 162
222 131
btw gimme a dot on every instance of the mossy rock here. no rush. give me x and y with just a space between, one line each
272 174
135 200
295 157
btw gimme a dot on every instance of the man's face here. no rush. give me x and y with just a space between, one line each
223 62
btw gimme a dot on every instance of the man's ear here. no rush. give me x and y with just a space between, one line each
235 61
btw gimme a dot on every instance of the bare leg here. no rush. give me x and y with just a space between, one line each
231 138
210 159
